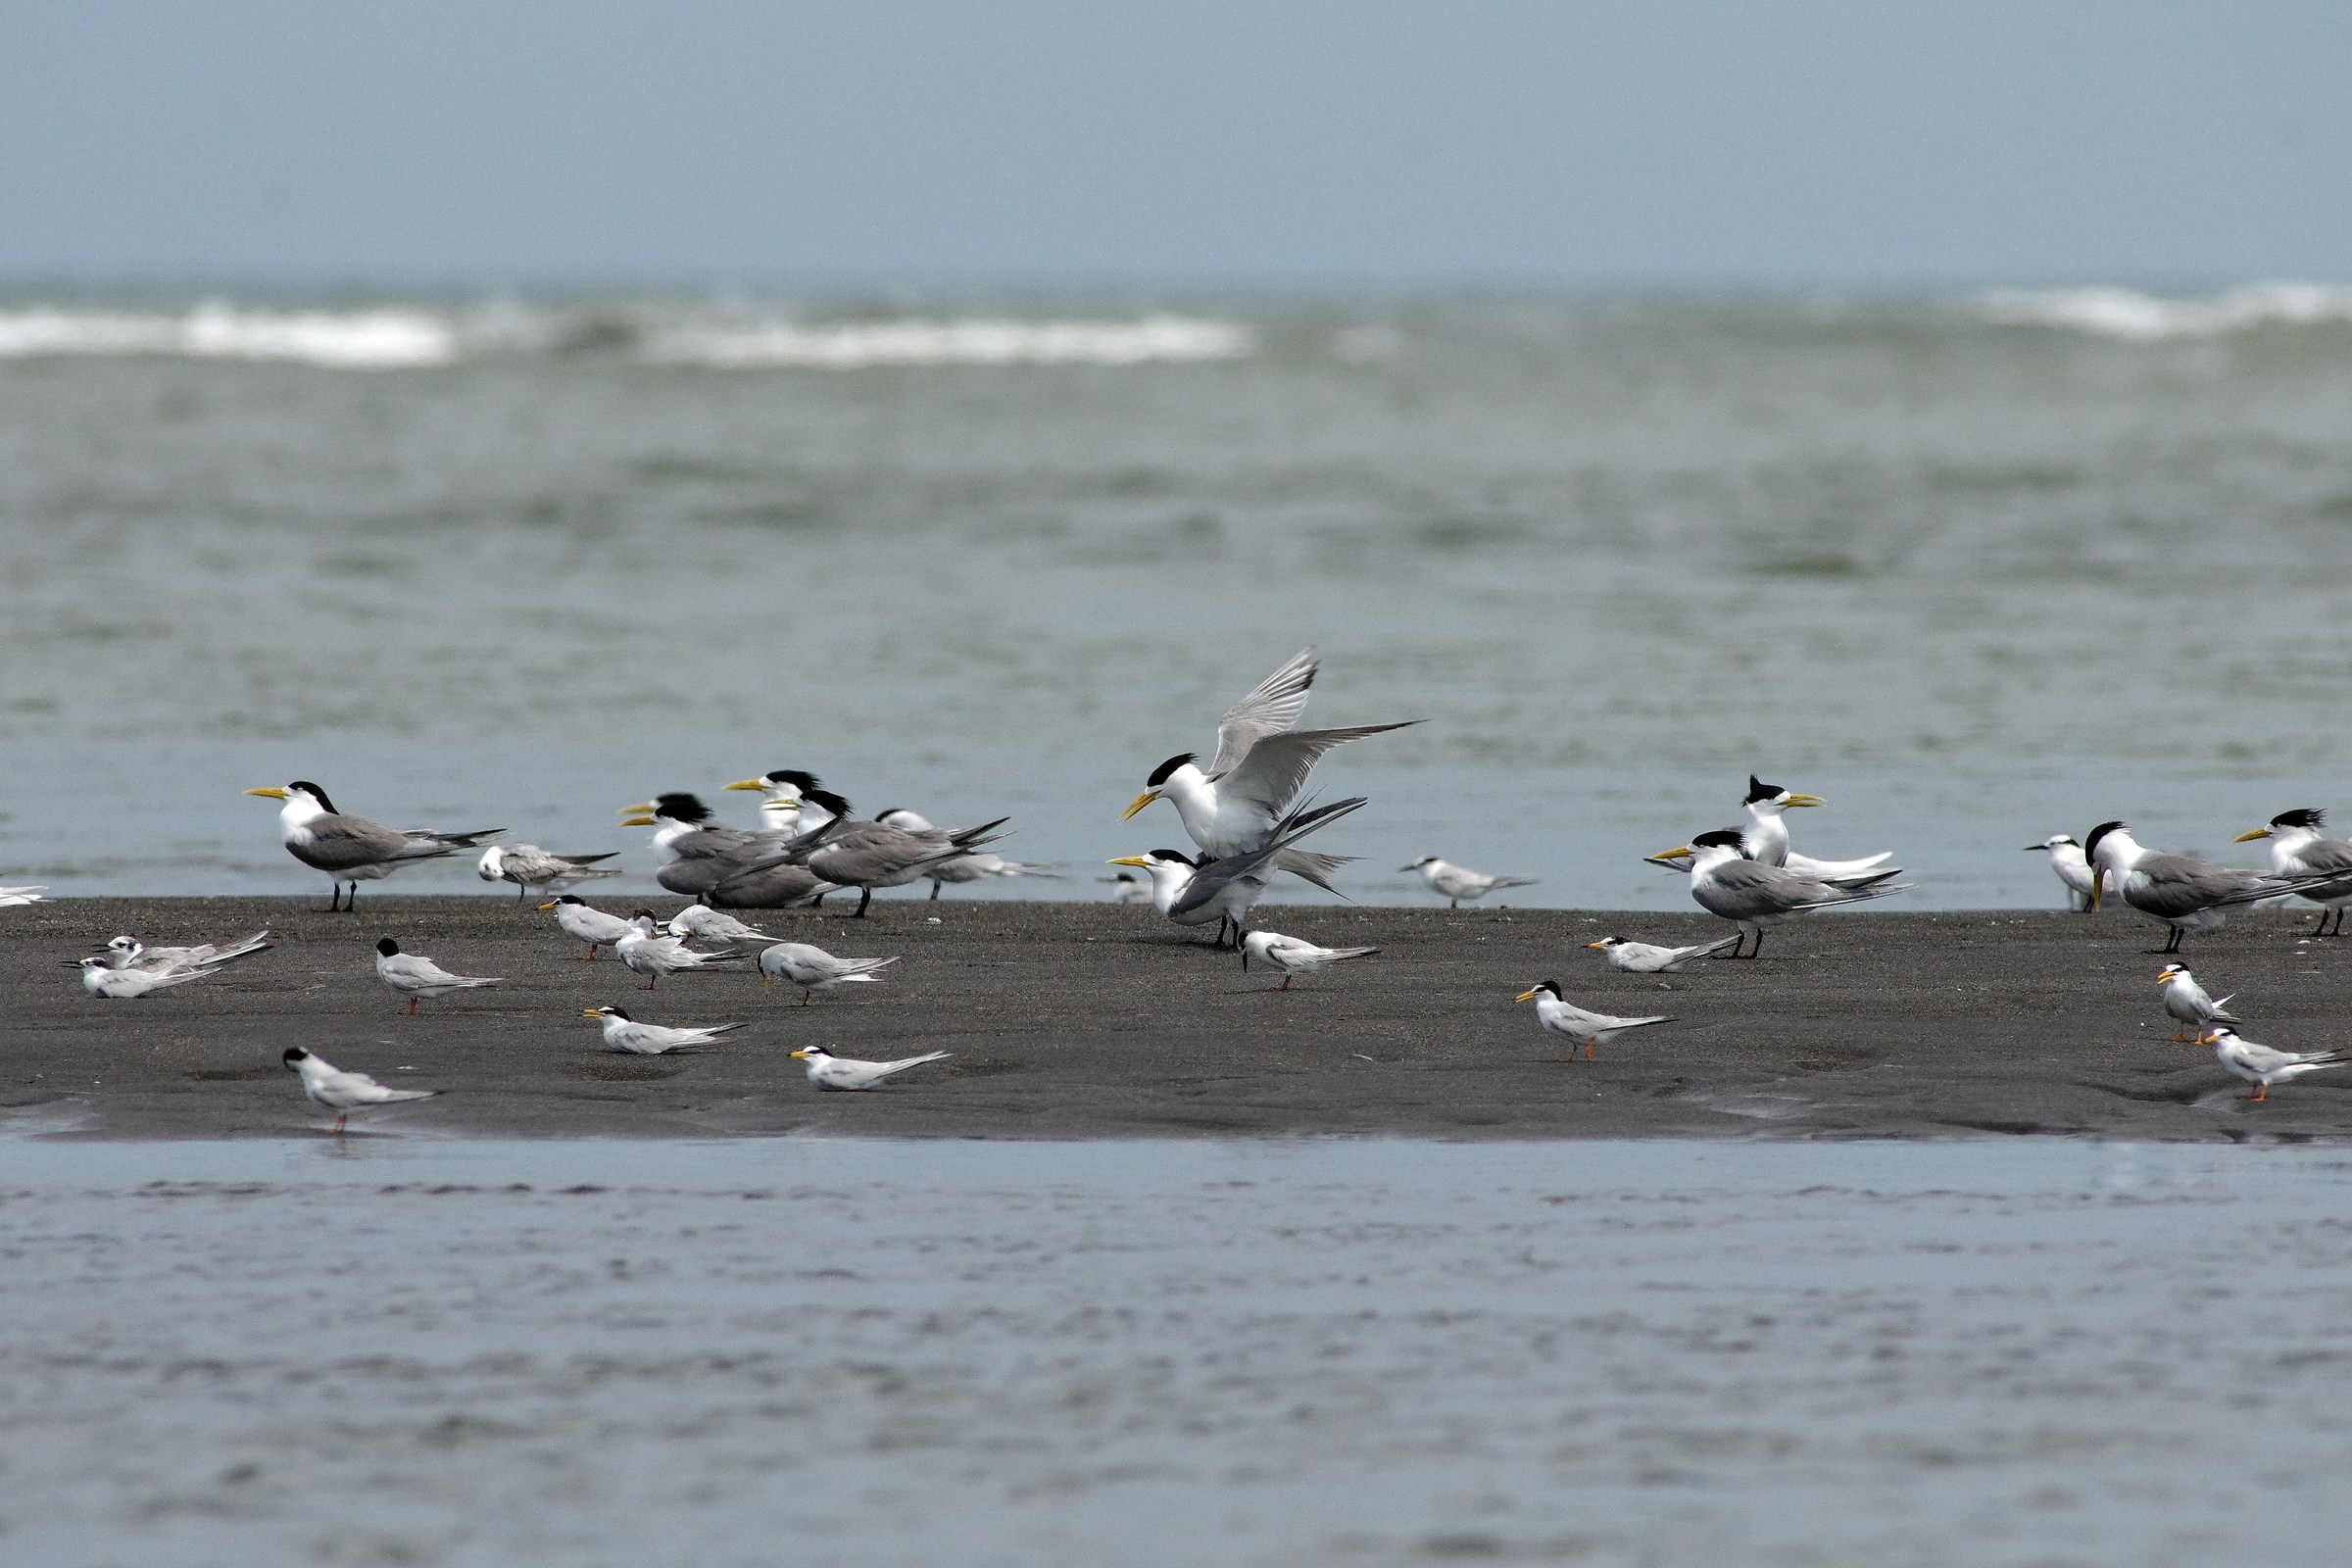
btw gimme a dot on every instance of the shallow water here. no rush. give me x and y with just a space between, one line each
1980 569
390 1349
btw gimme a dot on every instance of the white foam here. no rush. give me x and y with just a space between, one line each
971 341
370 340
2140 316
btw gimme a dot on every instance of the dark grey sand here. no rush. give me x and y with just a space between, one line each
1071 1021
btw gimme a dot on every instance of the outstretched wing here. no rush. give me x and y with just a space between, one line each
1271 708
1271 776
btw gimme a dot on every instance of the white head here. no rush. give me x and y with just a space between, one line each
1422 865
2172 972
2054 843
493 864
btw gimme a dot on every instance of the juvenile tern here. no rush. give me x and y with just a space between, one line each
129 953
699 923
417 977
584 921
1293 955
964 867
2299 849
648 953
1642 958
812 968
1766 836
828 1071
123 985
351 848
529 867
1756 895
27 893
1458 882
344 1091
626 1034
1581 1027
2066 859
2184 893
1194 892
2262 1065
2187 1002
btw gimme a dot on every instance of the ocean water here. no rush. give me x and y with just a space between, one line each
392 1350
1978 567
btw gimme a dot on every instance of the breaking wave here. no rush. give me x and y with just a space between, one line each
2140 316
359 340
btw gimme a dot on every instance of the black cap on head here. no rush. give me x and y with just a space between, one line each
2091 844
1758 790
792 776
1552 985
1159 774
1719 835
569 897
388 947
680 806
888 812
295 1054
607 1007
828 800
2301 817
311 789
1178 856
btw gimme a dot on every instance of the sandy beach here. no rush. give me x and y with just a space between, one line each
1070 1021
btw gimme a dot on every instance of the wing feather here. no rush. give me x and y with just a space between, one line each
1271 708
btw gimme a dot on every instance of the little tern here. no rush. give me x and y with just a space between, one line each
129 953
124 985
648 953
2066 859
812 968
2184 893
1293 955
1766 837
1587 1029
1642 958
699 923
584 921
625 1034
529 867
417 977
1456 882
23 894
2299 849
1194 892
828 1071
2263 1065
351 848
964 867
2187 1002
344 1091
1756 895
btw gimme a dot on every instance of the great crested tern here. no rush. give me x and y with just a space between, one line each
812 968
828 1071
2299 849
23 894
1294 956
1457 883
1580 1026
1766 837
1643 957
964 868
696 854
2066 860
126 985
351 848
1262 764
1756 895
344 1091
2184 893
129 953
2265 1066
624 1033
529 867
584 921
1194 892
792 803
2189 1004
867 855
651 955
417 977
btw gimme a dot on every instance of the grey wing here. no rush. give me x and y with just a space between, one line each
1276 767
1205 884
859 863
769 887
1750 887
1273 707
2178 886
340 842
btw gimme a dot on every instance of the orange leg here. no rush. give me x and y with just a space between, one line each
412 1012
2262 1091
1286 984
1587 1051
340 1120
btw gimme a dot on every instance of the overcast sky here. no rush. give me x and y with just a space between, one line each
1259 141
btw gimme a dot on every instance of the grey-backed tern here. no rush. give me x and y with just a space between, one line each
828 1071
529 867
1766 837
964 867
2299 849
1560 1017
351 848
867 855
1194 892
2264 1065
624 1033
812 968
124 985
1643 957
699 923
344 1091
23 894
1458 883
1725 882
584 921
696 854
651 955
2184 893
2187 1001
417 977
129 953
1293 955
2066 860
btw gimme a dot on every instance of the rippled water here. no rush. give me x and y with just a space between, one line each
1978 568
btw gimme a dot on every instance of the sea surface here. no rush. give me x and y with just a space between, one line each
1978 566
394 1349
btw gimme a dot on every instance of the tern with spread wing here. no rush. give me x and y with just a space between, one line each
351 848
2299 849
1577 1025
2187 894
344 1091
1725 882
1195 892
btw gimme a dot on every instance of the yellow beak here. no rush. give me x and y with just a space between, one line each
544 907
641 806
1804 800
799 1054
2242 838
1525 995
1139 803
2098 886
1681 852
749 784
641 820
1130 859
590 1012
270 790
1589 945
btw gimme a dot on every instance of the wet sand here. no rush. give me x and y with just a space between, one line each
1091 1021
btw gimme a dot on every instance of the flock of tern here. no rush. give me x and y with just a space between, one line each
1247 822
